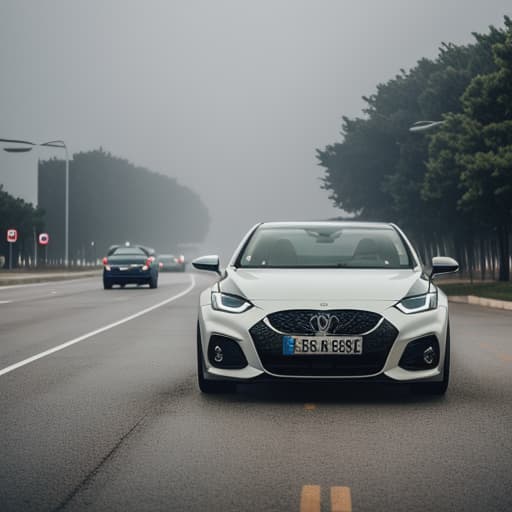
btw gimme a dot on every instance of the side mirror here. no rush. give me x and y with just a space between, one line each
443 265
211 263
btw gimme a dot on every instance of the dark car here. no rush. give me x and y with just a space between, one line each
133 264
171 263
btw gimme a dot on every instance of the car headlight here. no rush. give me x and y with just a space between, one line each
418 303
229 303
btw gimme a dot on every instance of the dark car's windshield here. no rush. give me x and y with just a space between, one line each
325 246
129 251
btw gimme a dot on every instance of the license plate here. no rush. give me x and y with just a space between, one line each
320 345
123 268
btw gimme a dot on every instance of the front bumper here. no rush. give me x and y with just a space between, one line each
408 328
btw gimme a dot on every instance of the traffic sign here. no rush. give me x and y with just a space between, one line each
44 238
12 235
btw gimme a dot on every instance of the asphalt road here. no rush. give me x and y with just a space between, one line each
114 420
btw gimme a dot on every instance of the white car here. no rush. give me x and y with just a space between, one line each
324 301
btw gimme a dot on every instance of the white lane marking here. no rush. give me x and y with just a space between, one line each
36 297
52 282
29 360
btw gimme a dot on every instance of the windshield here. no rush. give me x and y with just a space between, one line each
325 247
129 251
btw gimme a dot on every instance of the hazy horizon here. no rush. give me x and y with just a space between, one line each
231 98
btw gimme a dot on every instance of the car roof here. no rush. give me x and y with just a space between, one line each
147 250
328 223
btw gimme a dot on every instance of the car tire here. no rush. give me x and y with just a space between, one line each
153 282
107 285
437 388
209 386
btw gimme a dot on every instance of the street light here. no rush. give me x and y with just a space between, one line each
51 144
421 126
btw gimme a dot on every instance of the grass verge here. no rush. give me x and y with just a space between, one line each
500 290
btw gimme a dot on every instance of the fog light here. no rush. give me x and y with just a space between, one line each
421 354
219 356
224 352
429 356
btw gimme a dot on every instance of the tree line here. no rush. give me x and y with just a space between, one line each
15 213
450 187
112 201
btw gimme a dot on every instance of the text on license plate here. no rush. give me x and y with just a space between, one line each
318 345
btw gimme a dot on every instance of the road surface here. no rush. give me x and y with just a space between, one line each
99 410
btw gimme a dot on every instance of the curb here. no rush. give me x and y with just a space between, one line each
481 301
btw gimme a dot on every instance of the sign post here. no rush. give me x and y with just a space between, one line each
12 237
35 247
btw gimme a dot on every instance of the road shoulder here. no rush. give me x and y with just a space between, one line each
481 301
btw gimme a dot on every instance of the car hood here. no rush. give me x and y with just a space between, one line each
340 285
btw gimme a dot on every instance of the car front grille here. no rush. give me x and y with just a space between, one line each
305 321
376 346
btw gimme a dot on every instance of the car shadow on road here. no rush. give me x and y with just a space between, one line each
130 288
331 393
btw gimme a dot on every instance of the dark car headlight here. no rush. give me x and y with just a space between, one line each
418 303
229 303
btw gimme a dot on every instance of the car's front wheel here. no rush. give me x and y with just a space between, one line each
107 285
153 282
209 386
437 388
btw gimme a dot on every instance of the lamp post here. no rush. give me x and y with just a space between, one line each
51 144
421 126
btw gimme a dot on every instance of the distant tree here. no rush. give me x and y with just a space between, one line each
18 214
356 170
112 201
471 156
382 171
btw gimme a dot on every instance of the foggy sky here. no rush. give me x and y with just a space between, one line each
230 97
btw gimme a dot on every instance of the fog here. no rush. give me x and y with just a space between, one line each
230 97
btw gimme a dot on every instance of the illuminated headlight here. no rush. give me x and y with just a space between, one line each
418 303
229 303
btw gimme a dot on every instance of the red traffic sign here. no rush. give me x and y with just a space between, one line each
44 238
12 235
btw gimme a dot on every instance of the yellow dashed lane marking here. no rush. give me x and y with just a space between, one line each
341 500
490 348
311 497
